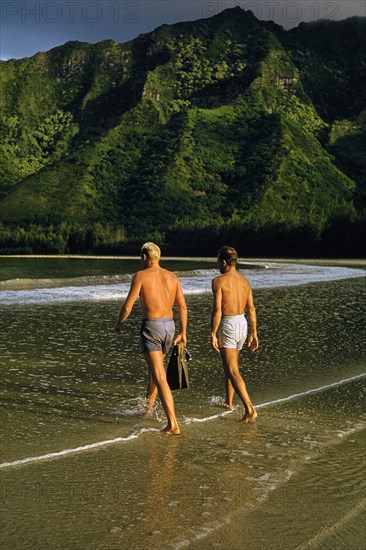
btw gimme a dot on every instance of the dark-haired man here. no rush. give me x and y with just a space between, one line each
159 290
232 297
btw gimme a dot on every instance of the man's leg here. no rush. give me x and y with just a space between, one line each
229 393
151 395
155 361
231 367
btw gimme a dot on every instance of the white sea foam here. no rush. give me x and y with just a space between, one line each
308 392
65 452
192 420
135 435
48 291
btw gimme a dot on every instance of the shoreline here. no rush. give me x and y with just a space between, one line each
310 261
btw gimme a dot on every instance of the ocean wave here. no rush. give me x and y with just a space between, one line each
198 281
197 273
88 280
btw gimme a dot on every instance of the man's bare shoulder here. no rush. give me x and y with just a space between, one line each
243 277
218 280
140 277
139 274
227 278
168 275
171 273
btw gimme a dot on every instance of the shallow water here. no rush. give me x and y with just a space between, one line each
81 469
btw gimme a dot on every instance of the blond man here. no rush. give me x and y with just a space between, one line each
159 290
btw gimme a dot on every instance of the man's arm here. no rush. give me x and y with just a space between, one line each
182 314
129 302
216 313
253 338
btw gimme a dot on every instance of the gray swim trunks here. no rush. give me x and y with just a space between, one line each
232 332
157 334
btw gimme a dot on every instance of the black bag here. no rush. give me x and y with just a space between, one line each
177 372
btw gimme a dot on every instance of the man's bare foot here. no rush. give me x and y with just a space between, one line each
168 430
227 406
250 414
249 417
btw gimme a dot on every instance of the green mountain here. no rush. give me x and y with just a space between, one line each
227 129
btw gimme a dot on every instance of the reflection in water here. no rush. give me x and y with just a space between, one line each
162 507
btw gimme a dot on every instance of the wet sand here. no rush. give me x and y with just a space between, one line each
81 468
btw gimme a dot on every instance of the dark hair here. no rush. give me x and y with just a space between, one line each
229 254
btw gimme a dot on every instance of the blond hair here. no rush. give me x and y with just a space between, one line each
151 250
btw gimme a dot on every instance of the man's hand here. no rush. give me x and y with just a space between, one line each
180 339
253 342
214 343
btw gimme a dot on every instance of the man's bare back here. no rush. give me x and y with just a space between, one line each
234 290
158 292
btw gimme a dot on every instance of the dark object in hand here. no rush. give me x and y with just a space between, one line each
177 372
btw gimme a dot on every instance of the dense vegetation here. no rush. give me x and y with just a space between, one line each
225 129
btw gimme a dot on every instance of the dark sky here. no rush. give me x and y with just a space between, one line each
29 26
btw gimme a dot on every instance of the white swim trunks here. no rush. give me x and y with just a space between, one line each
232 332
